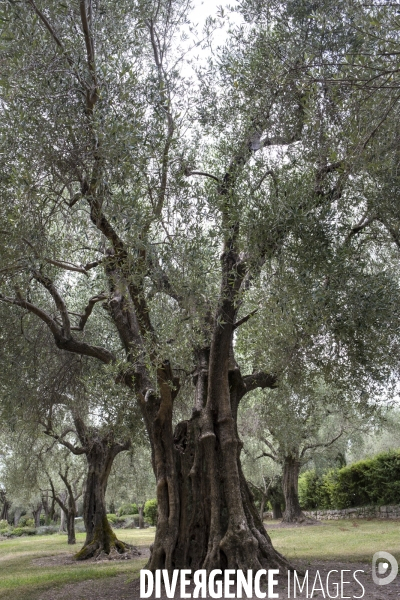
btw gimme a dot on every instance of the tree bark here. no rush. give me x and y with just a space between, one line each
99 534
17 516
276 510
36 512
141 516
68 509
290 484
47 507
63 517
6 506
206 514
70 518
205 535
262 505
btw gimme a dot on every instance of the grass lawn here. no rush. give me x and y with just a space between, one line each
21 578
353 541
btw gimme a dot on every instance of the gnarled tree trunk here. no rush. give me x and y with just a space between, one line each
206 514
290 485
99 534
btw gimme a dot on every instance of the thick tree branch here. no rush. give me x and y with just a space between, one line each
244 319
60 439
259 380
321 445
188 173
88 311
19 301
92 94
56 496
270 446
66 266
363 223
70 344
121 447
59 302
64 477
268 455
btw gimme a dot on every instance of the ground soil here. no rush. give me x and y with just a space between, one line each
122 588
67 559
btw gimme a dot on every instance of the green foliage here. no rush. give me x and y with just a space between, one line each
24 531
129 522
47 530
3 524
127 509
150 511
26 521
112 518
371 481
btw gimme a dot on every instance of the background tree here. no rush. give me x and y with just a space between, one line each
69 490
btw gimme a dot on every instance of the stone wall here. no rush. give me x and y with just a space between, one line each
363 512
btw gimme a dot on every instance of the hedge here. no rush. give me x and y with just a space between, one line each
150 511
373 481
127 509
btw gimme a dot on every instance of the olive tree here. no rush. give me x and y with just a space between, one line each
142 201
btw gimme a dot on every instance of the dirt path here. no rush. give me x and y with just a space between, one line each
120 588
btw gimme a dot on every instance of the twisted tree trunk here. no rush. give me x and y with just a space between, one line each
290 484
99 534
206 514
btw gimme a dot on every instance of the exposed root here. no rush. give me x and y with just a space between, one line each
118 550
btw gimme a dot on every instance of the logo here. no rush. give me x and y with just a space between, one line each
380 565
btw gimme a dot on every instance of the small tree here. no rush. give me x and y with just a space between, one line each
67 499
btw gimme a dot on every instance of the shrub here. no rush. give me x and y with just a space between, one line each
26 521
18 531
46 530
112 518
131 522
6 532
309 482
127 509
3 525
150 511
373 481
